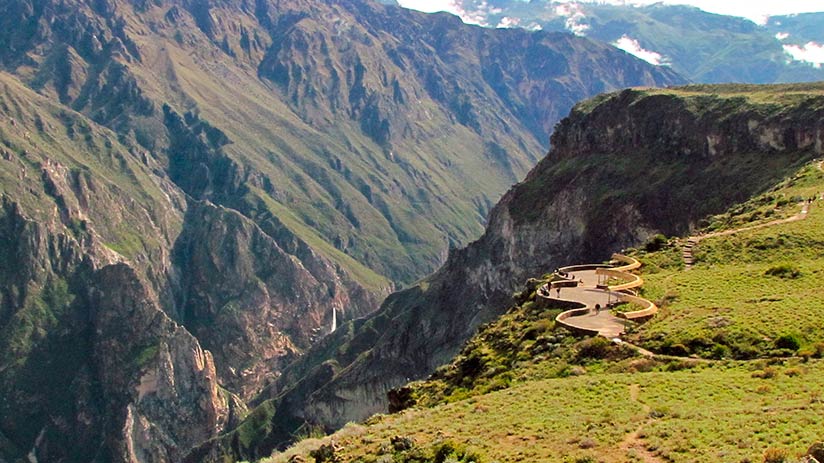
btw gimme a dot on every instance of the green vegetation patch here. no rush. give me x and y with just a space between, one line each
747 290
728 411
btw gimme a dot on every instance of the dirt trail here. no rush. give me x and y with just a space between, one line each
633 444
692 241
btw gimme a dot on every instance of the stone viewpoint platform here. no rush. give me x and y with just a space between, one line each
592 291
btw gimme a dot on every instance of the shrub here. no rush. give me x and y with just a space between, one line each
656 243
783 271
679 350
326 453
401 443
766 373
815 351
763 389
586 459
678 365
789 341
587 443
594 348
774 455
448 451
720 351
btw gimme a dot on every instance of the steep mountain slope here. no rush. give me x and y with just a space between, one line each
194 193
623 167
362 123
92 368
524 388
798 28
704 47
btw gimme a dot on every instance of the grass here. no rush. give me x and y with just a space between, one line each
522 391
394 210
360 272
729 413
87 163
707 413
746 289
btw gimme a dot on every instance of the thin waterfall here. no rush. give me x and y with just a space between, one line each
334 320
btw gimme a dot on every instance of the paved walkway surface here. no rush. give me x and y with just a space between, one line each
607 324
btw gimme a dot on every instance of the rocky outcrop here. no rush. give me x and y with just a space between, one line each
109 272
160 389
91 352
623 167
255 306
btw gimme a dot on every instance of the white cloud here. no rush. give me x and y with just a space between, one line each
507 22
811 52
632 47
781 35
575 17
479 15
755 10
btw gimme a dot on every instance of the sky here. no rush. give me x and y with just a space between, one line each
755 10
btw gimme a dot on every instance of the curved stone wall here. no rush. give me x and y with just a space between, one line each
648 308
581 303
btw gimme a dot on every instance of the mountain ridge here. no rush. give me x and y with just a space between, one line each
191 210
702 46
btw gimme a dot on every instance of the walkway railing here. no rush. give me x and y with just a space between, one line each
632 281
619 291
648 308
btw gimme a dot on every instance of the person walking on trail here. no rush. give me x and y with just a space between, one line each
597 309
558 291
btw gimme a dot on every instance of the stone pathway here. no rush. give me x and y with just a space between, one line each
604 322
585 289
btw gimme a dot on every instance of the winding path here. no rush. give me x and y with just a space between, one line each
633 443
692 241
587 289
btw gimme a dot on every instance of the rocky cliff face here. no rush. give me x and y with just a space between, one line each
267 306
354 119
622 167
103 260
159 388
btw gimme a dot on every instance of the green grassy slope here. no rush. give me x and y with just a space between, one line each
707 413
749 289
54 157
522 390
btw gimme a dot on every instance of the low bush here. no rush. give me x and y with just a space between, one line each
789 341
656 243
774 455
783 271
766 373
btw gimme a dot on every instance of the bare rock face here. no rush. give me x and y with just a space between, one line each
250 302
154 374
